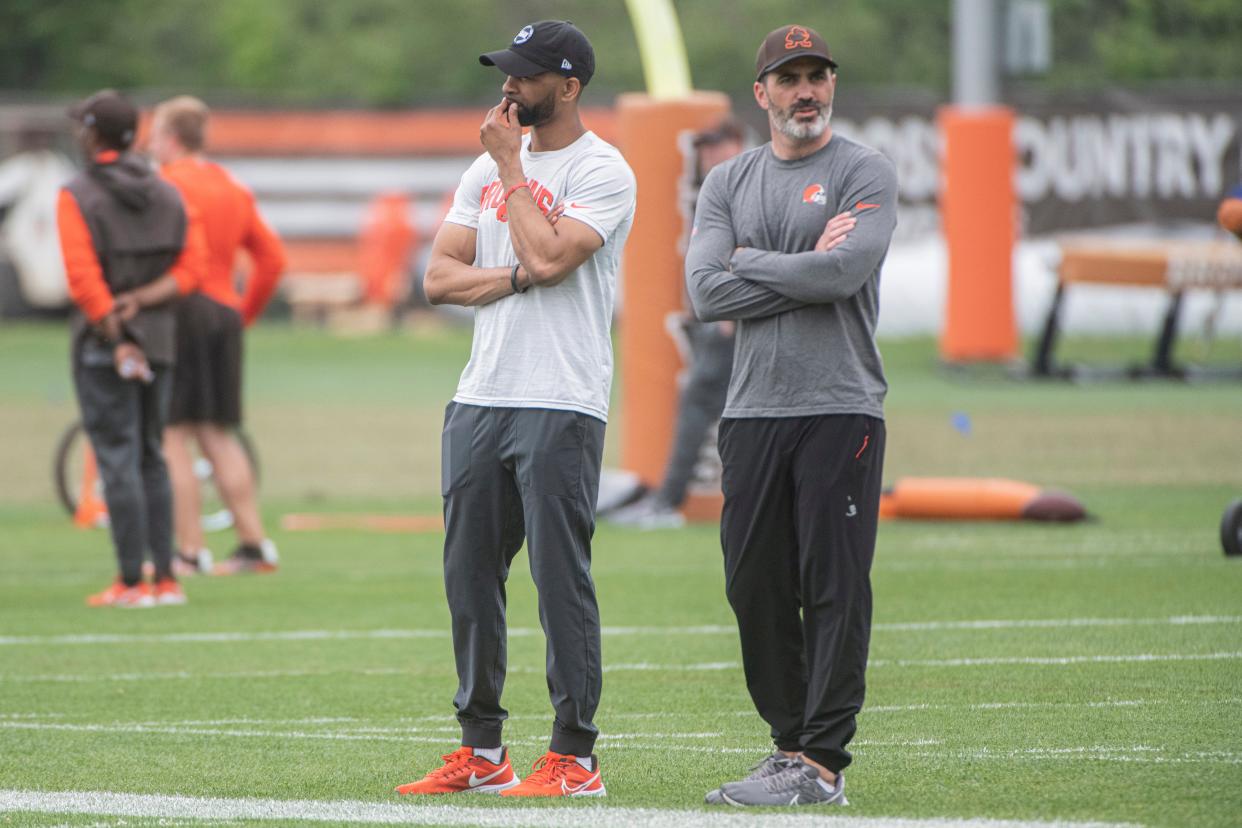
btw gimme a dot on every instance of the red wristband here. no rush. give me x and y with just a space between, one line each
515 188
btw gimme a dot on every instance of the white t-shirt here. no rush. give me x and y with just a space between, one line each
549 347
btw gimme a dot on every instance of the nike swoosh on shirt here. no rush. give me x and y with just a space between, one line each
476 781
579 206
862 205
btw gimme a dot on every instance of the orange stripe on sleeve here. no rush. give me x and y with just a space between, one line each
87 287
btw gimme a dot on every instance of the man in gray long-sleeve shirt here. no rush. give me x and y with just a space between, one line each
789 239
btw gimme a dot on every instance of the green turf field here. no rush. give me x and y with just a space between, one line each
1040 674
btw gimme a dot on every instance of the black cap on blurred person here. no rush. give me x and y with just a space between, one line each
547 46
786 43
112 115
727 130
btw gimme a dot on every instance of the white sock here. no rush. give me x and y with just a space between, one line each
490 754
823 783
585 761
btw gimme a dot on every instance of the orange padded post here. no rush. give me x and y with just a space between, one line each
648 130
978 210
90 507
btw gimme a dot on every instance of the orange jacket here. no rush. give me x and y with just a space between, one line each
231 220
87 287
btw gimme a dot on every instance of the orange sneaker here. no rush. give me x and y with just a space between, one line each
168 593
556 774
463 772
119 595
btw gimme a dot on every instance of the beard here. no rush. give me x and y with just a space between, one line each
539 113
786 121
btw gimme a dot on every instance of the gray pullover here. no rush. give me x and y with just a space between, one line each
806 320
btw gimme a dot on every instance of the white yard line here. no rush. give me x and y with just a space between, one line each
1058 623
449 736
646 666
870 709
610 741
524 632
324 635
1138 754
710 666
1052 661
447 723
1065 562
391 813
668 742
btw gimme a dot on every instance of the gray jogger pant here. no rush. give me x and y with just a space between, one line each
124 420
510 475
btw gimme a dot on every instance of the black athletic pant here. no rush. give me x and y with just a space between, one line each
801 506
124 420
510 475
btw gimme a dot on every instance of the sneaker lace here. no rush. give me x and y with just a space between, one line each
785 779
769 765
453 763
549 768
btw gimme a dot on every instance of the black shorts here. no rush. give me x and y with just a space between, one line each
207 377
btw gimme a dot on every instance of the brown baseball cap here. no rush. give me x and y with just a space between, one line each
113 116
788 42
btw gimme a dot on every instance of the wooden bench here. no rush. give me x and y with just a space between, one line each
1174 267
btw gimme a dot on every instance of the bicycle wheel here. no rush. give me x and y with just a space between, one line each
69 467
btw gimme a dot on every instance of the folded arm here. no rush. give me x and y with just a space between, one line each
548 251
821 277
452 278
716 292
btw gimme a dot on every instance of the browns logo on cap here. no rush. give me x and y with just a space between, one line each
788 42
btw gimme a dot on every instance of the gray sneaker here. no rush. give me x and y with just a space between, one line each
767 766
648 513
797 784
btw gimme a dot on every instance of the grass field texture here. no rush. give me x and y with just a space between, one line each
1019 672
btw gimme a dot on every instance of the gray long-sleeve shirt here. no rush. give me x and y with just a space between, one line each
806 320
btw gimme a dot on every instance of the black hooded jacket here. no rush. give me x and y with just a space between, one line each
138 228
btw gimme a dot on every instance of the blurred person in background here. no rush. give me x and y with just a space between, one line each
1230 212
207 390
130 246
524 434
30 182
706 384
789 239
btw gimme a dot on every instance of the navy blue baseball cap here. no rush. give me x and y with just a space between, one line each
547 46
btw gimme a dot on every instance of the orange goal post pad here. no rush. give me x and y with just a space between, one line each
977 498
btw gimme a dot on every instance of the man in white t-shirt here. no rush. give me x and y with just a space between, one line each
532 242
